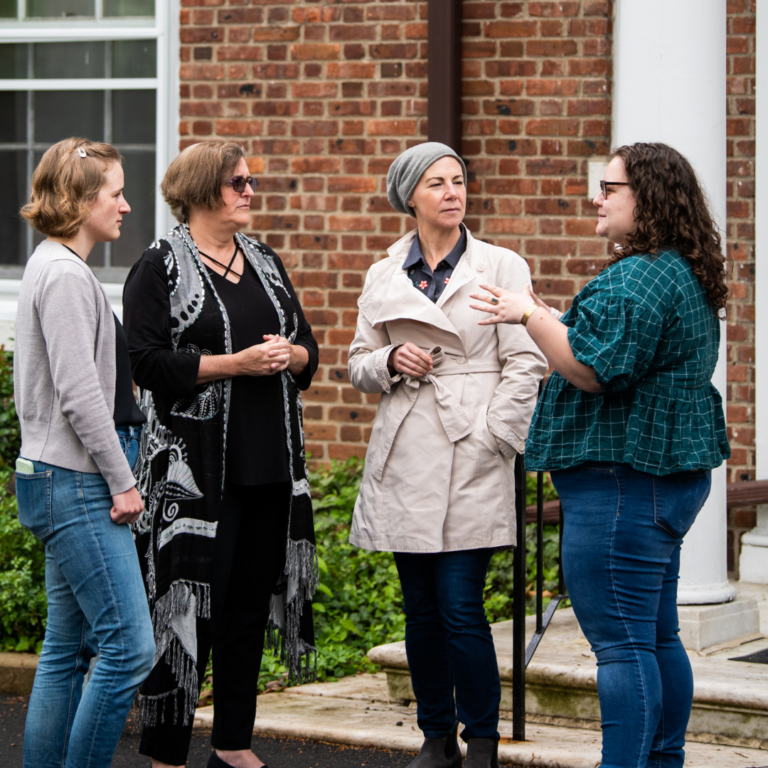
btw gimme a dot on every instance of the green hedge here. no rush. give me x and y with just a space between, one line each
359 603
23 604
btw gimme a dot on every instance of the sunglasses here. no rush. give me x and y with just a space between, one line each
239 182
604 184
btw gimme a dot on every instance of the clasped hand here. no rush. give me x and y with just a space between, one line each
273 356
410 360
505 306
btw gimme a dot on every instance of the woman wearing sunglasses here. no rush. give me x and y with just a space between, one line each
630 426
220 347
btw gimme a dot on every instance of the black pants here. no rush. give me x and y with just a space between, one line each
250 555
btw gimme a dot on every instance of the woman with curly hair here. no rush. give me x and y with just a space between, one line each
629 426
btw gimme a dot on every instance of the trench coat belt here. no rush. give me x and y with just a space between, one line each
452 415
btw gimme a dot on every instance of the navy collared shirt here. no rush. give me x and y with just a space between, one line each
430 283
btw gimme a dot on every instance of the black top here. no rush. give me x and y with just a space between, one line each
127 412
430 283
256 439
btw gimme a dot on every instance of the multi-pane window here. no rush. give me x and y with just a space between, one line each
87 68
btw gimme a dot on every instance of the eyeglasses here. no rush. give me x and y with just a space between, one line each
239 182
604 184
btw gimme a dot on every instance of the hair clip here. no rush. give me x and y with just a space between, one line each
81 152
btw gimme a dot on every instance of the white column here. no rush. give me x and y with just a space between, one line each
753 564
669 86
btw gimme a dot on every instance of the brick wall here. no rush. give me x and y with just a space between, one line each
741 249
325 94
537 106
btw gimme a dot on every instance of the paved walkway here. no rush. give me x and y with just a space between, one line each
276 752
356 711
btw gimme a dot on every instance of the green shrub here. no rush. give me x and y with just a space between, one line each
10 432
358 604
23 602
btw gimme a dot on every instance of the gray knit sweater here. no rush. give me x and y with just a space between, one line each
64 368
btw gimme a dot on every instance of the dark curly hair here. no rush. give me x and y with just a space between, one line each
672 212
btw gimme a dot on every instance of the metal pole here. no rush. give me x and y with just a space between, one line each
560 576
539 549
444 72
518 608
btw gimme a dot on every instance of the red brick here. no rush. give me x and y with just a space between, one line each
201 34
275 34
315 51
351 70
393 51
552 127
497 29
239 127
553 9
551 48
391 127
239 53
351 223
545 87
201 72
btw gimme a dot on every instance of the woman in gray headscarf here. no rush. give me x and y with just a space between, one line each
438 489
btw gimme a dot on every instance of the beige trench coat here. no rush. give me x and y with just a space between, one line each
439 469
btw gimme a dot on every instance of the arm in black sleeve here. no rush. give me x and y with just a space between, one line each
146 319
304 337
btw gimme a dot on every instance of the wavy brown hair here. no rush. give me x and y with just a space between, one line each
196 176
67 178
671 212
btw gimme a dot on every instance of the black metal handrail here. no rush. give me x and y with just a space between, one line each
522 655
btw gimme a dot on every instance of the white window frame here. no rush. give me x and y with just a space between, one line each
164 28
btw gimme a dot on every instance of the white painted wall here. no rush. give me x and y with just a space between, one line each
669 86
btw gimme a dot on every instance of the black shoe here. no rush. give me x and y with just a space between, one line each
439 752
482 753
214 761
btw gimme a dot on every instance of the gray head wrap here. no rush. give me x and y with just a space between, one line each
407 170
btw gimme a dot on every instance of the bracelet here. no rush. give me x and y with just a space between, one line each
528 312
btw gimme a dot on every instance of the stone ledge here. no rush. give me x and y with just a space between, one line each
730 698
17 673
353 712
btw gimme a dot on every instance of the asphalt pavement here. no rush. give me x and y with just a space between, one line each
276 753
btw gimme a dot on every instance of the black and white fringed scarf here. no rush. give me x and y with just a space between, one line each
181 479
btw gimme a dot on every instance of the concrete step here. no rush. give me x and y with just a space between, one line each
730 698
357 711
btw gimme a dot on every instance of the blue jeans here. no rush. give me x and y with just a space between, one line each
621 558
96 604
448 642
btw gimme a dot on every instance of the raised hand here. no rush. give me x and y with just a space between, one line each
503 306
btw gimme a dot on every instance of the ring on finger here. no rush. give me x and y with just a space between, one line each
494 300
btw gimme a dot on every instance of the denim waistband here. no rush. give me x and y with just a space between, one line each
130 430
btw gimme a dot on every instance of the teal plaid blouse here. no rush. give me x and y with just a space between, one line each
645 327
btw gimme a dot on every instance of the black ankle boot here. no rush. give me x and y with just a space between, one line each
214 761
439 752
482 753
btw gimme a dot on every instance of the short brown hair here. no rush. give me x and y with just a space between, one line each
68 176
196 176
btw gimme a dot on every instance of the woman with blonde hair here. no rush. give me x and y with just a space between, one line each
630 427
221 348
80 428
